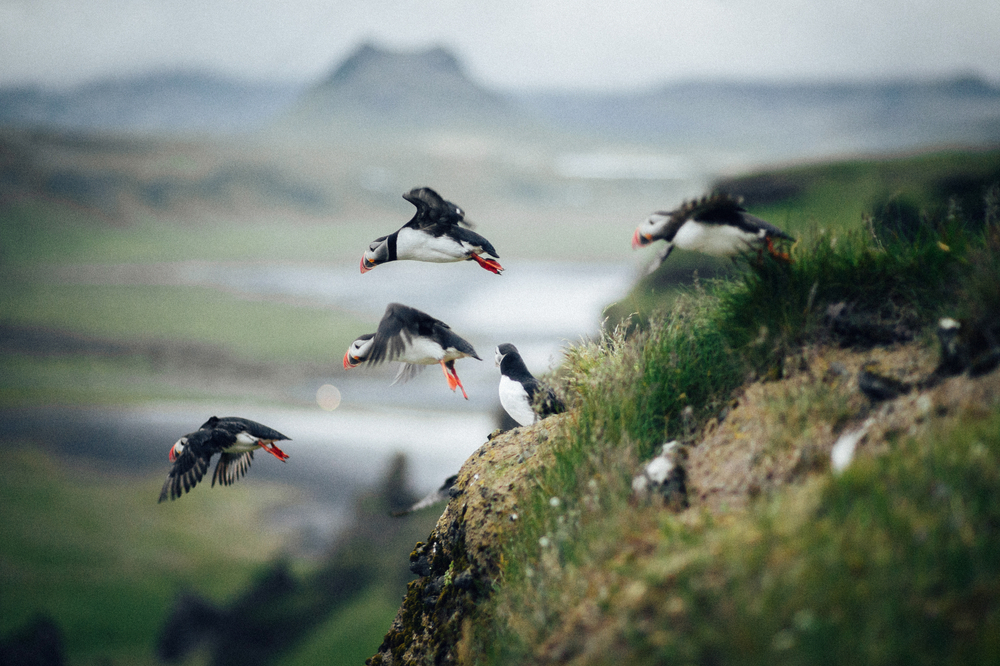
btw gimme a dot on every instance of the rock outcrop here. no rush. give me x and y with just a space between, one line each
459 562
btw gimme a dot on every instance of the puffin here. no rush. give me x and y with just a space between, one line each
416 339
432 498
519 390
716 224
434 234
234 437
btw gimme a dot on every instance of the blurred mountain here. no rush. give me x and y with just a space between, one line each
376 90
803 119
393 97
167 102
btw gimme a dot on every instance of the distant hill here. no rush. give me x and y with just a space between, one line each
167 102
786 119
376 89
380 95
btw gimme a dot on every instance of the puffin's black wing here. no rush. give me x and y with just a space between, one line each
399 324
543 399
192 463
448 338
439 495
231 467
432 209
235 425
473 239
754 223
388 341
721 208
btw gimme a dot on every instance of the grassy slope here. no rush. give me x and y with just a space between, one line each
85 571
599 582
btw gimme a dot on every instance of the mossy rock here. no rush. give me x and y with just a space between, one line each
459 562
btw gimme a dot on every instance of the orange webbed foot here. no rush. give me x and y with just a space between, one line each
491 265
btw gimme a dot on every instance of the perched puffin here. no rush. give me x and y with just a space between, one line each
234 437
518 389
716 224
416 339
434 234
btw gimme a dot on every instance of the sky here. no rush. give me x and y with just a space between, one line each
505 44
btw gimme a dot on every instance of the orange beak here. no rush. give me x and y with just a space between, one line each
366 265
638 240
348 362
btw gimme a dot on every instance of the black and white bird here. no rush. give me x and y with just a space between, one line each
434 234
414 338
879 387
664 477
234 437
519 389
440 495
716 224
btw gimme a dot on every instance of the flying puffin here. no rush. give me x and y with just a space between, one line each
432 498
518 389
715 224
434 234
416 339
234 437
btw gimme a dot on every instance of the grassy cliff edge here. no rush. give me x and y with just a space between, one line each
544 555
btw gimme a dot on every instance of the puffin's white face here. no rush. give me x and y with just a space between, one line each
177 449
497 356
358 351
650 230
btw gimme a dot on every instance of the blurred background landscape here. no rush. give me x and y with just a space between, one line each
179 240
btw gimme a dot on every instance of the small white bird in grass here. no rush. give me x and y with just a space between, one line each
234 437
434 234
519 389
716 224
664 476
417 340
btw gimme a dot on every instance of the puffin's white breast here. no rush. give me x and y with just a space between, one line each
244 442
515 401
413 244
719 240
421 351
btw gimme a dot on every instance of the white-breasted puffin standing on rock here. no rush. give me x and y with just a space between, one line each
414 338
434 234
716 224
234 437
519 389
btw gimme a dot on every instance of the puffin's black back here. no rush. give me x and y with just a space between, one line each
237 424
721 208
401 320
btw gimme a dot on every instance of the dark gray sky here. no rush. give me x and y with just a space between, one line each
506 44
